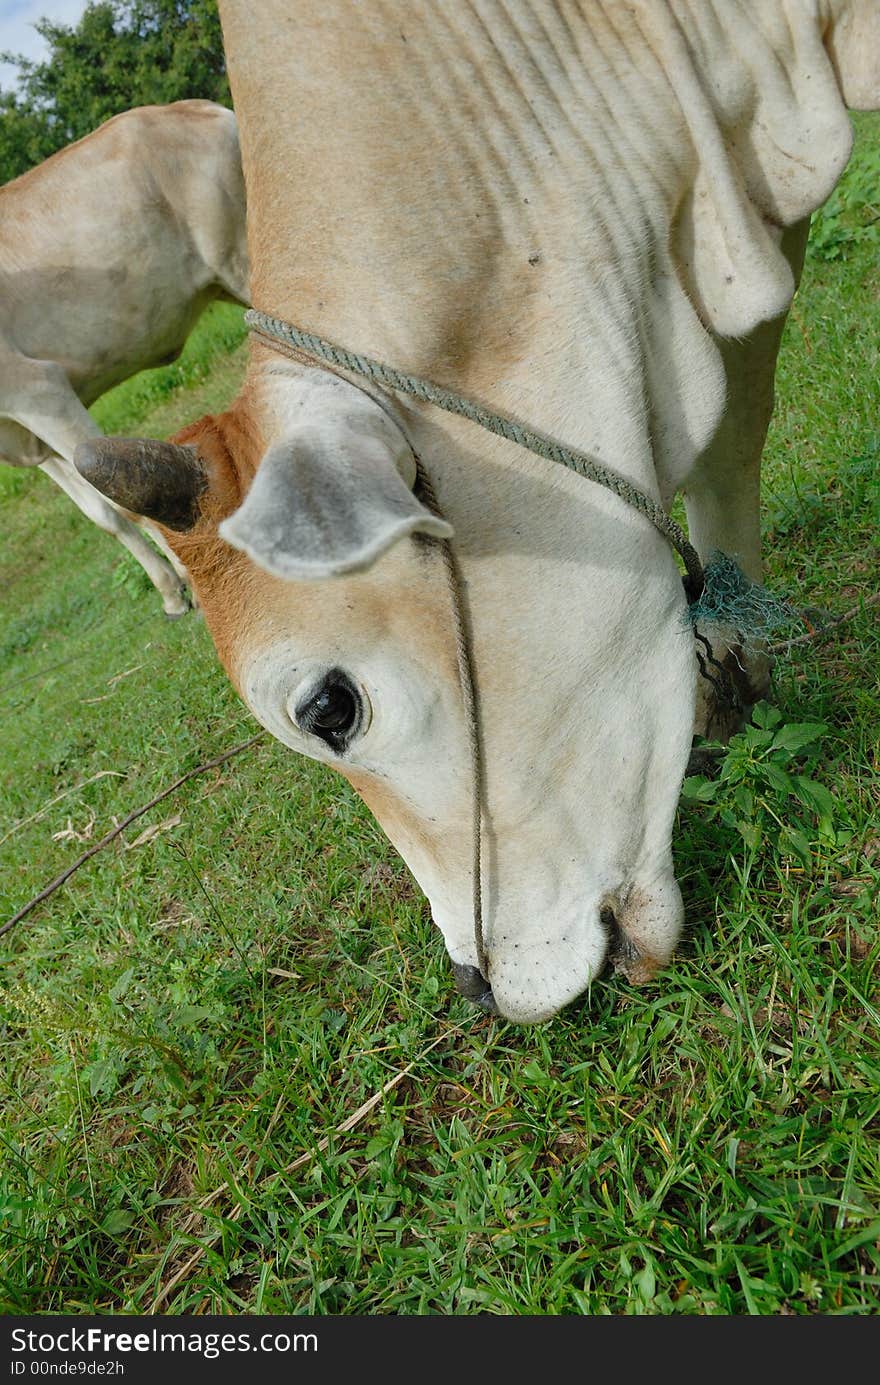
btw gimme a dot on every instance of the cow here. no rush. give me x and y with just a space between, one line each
586 217
109 251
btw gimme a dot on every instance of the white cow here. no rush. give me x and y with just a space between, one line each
109 251
589 216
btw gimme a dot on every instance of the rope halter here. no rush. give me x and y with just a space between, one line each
702 592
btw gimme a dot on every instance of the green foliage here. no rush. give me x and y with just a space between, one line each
129 577
763 793
13 481
842 509
851 216
122 53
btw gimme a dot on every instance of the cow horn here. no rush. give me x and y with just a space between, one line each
159 480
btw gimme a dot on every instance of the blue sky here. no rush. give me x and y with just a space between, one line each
17 34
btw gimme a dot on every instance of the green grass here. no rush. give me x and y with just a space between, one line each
188 1022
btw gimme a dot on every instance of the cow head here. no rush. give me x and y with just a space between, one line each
321 577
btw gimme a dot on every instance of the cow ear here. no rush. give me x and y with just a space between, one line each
329 500
158 480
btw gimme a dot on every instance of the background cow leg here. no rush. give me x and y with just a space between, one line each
158 538
169 583
723 494
42 401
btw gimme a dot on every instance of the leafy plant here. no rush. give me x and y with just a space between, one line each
764 792
129 576
852 213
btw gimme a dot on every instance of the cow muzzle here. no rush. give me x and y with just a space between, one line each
634 930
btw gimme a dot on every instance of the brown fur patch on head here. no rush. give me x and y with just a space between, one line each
230 446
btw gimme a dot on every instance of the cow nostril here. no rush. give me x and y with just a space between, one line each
622 952
470 981
472 984
486 1002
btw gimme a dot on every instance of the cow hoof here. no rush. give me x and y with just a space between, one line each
182 607
472 984
727 690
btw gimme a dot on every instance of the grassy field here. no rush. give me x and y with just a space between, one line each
193 1026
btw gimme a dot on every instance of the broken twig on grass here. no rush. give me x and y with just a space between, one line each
126 822
41 812
816 636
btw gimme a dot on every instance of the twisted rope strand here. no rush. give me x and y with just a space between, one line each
470 698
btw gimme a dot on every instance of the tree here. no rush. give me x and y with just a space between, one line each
123 53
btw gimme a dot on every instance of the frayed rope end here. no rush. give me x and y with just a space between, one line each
732 600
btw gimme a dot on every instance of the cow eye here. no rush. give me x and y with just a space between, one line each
333 712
